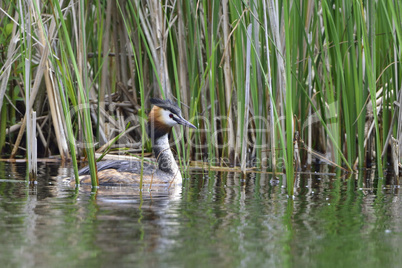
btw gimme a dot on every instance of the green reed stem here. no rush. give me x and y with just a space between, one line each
289 108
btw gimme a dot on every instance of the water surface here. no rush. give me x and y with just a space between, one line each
217 220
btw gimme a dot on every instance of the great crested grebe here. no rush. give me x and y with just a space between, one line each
164 115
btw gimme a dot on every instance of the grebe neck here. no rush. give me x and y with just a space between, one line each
166 162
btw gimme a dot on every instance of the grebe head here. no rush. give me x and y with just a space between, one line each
164 115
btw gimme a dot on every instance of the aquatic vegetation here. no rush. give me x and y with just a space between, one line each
272 85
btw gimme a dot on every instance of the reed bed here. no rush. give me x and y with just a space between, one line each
271 85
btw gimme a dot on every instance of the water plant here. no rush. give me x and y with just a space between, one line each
269 84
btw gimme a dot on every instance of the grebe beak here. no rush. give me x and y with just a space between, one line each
180 120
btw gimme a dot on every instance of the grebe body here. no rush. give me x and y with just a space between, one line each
164 115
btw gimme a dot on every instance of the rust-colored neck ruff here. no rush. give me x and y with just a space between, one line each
156 126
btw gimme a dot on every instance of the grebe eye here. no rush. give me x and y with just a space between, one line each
171 115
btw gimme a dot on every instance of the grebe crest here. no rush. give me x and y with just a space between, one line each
164 115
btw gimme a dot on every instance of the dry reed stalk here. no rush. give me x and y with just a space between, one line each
105 86
146 28
182 66
159 27
244 142
227 71
13 128
125 52
270 92
131 63
29 113
278 40
32 145
54 102
270 95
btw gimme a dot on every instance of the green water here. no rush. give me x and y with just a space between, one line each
218 220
